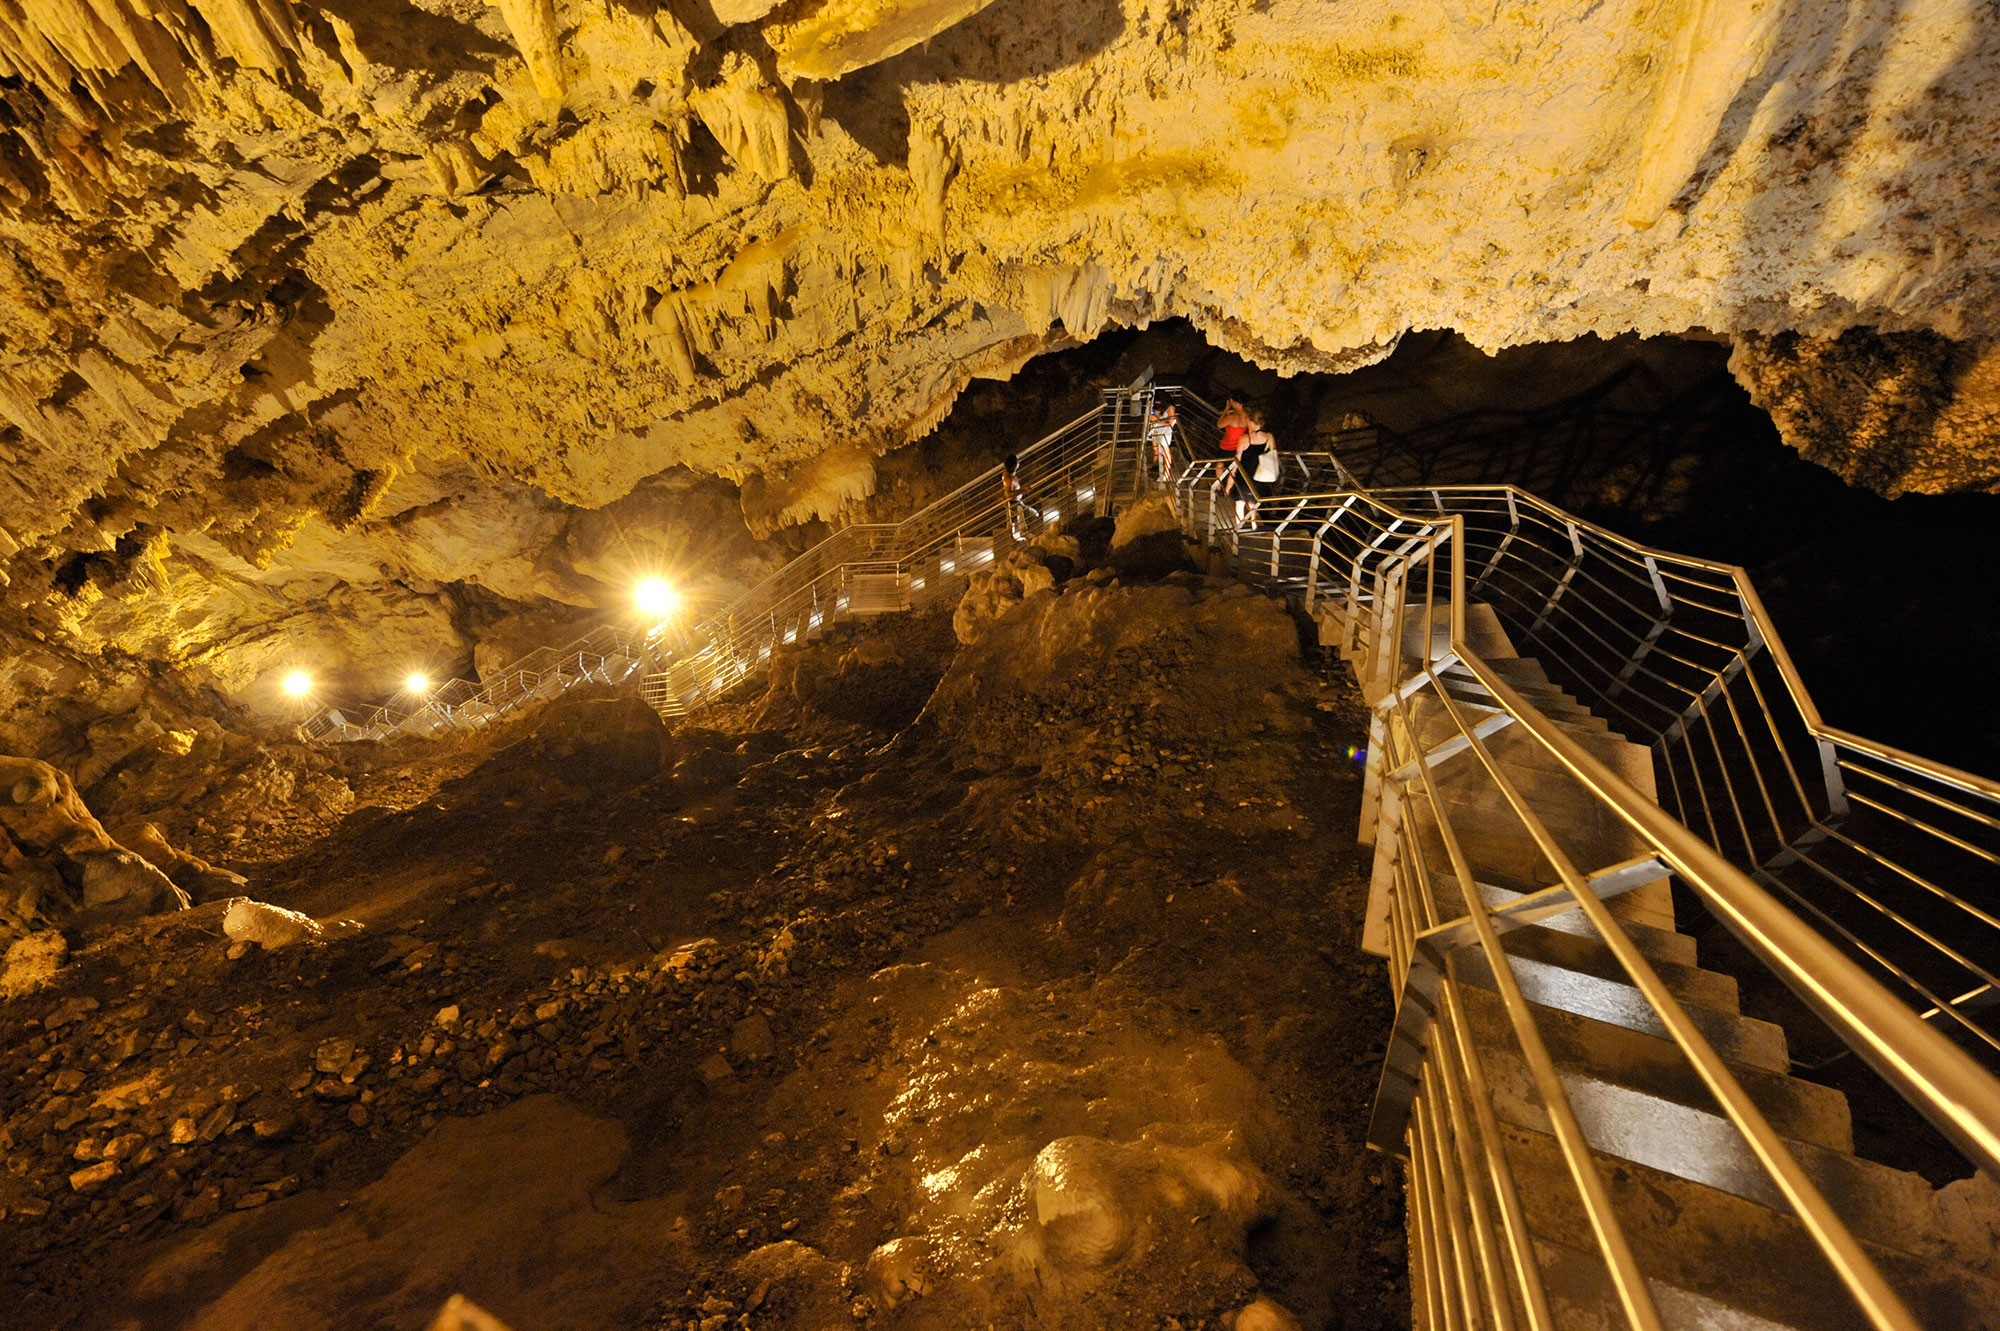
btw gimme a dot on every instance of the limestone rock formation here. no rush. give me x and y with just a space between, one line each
195 876
342 332
57 865
992 592
1897 412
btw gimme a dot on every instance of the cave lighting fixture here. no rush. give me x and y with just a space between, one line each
657 599
297 684
417 682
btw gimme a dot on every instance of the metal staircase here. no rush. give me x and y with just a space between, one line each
606 655
1594 1133
1086 467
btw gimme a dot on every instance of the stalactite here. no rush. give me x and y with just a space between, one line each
747 117
539 37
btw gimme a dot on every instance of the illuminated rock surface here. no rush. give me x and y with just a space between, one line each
352 330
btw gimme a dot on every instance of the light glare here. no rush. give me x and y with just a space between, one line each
656 598
417 682
298 684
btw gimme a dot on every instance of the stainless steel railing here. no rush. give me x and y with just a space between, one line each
1692 662
1084 467
1890 852
606 655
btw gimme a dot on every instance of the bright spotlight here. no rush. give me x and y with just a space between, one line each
417 682
656 599
298 684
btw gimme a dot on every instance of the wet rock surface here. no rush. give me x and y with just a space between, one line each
918 987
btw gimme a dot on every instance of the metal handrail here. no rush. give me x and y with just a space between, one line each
1820 815
923 559
607 654
1357 553
1871 842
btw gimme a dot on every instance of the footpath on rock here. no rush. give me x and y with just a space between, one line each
1010 981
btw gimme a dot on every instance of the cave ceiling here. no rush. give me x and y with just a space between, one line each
313 312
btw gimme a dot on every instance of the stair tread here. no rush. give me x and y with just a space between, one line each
1654 1065
1668 944
1735 1037
1735 1251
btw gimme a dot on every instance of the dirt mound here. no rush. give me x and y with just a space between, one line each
1109 702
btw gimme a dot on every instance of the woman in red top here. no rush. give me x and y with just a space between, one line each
1235 423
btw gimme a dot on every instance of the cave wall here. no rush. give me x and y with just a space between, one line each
375 308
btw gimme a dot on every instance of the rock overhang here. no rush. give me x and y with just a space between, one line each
325 312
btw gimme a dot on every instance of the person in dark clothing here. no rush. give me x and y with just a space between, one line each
1256 468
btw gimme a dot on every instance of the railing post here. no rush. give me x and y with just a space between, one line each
1562 584
1107 451
1639 653
1500 549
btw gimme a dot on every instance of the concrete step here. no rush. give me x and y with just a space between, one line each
1581 1298
1654 1067
1523 672
1659 944
1500 850
1737 1038
1586 954
1483 633
1546 699
1432 725
1733 1251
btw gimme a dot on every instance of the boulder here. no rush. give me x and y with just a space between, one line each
31 963
270 927
991 593
118 885
590 740
900 1270
201 880
752 1039
58 866
1261 1314
1151 515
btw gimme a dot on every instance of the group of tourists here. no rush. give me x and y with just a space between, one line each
1254 464
1251 453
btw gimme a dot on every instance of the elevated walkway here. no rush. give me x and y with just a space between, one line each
1595 1132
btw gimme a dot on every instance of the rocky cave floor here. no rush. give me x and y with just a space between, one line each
921 986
